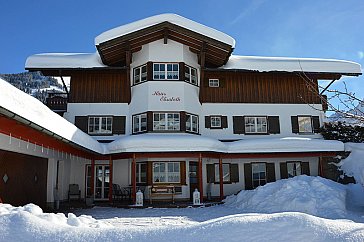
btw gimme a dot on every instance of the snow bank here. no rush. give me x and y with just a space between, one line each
28 223
353 165
313 195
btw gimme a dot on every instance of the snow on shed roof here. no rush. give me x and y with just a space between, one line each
286 64
157 19
64 60
31 109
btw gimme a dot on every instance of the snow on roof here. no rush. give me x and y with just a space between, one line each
267 64
157 19
287 144
165 143
189 142
30 108
64 60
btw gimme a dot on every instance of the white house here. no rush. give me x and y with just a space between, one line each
164 104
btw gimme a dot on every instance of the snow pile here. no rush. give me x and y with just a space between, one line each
353 165
311 195
28 223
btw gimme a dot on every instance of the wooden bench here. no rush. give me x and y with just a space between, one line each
162 191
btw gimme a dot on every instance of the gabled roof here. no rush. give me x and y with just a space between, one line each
286 64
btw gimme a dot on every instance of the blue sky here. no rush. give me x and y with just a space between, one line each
310 28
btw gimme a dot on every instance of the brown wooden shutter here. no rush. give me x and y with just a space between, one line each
273 125
182 125
316 124
210 170
248 176
207 122
182 71
234 173
81 122
222 82
238 125
205 82
284 171
183 172
305 166
149 121
271 175
150 71
149 173
294 123
118 125
224 122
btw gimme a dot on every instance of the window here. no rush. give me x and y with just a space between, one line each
166 172
259 174
304 124
166 121
141 172
255 125
192 123
140 74
140 123
165 71
294 168
215 121
225 173
191 75
214 82
100 125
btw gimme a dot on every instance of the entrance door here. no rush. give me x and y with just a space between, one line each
102 178
193 176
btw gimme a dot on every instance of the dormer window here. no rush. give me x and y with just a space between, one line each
214 82
140 74
165 71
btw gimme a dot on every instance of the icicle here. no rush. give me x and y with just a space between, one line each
28 145
42 148
35 146
10 139
48 150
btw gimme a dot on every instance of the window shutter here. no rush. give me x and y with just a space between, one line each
206 82
210 170
294 122
238 125
271 174
81 122
118 125
234 173
149 121
207 122
273 125
150 71
316 124
150 173
182 121
305 166
183 172
284 171
181 71
248 176
224 122
222 82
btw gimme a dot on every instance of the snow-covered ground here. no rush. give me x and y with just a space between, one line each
248 216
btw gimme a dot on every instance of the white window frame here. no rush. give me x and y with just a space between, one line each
263 129
215 121
139 124
139 172
107 119
294 168
174 73
192 123
260 179
164 123
142 77
225 173
188 75
214 82
305 124
165 175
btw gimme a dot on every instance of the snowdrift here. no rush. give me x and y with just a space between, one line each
353 165
312 195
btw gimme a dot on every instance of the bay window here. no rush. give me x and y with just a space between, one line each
140 74
99 125
191 123
165 71
191 75
140 123
166 121
166 172
255 124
